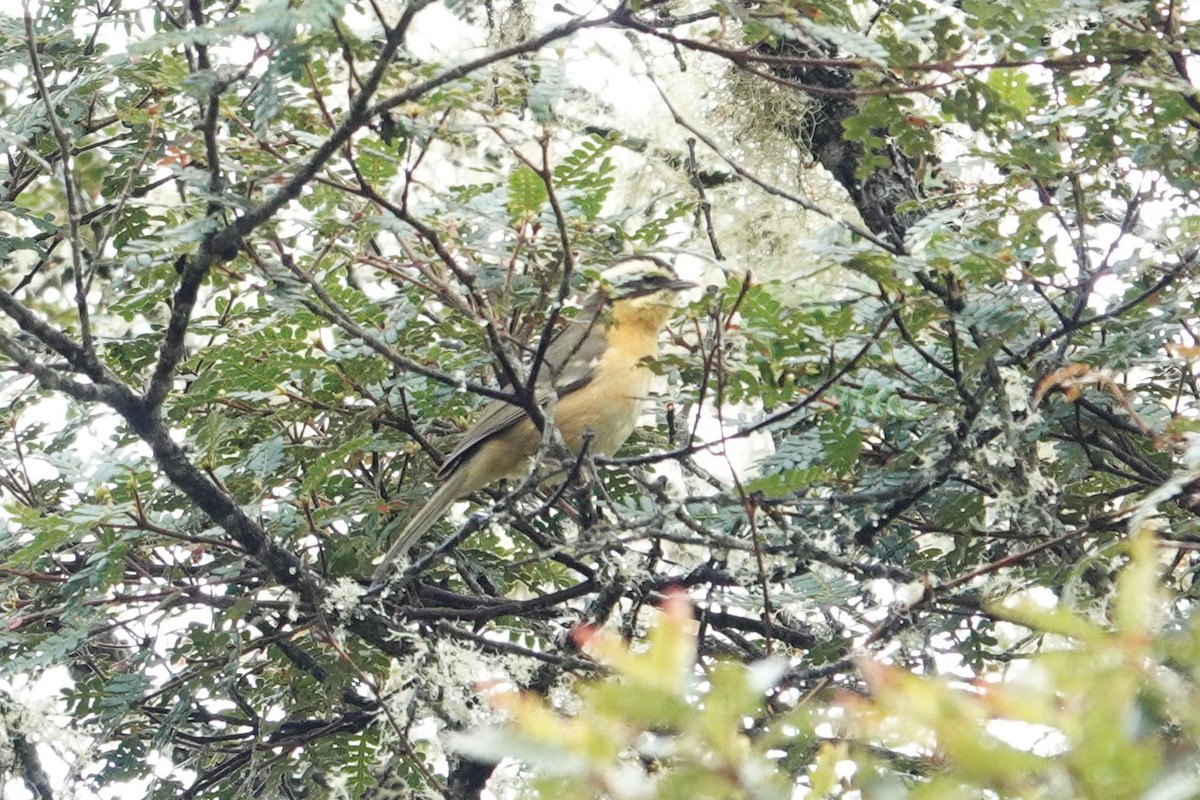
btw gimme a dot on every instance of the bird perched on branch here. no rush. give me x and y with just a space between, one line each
594 371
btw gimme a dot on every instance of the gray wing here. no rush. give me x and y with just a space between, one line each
572 357
569 364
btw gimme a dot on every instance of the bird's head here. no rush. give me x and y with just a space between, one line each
642 280
642 290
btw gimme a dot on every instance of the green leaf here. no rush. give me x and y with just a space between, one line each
1011 86
45 540
526 192
265 457
787 482
327 462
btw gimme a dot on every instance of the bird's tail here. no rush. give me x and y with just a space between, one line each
431 512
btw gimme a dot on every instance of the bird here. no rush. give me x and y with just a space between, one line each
596 371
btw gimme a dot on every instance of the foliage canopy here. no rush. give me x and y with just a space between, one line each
264 261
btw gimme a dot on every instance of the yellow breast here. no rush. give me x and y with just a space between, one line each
609 405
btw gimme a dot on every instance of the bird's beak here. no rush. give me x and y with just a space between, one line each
679 285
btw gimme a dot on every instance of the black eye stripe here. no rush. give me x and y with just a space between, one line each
641 286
